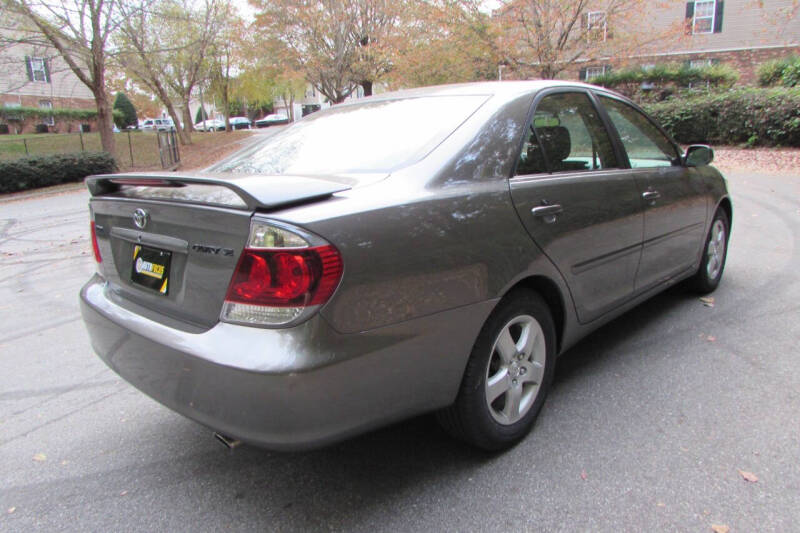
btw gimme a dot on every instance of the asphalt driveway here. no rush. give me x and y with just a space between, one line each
649 423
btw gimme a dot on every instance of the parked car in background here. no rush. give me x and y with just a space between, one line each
425 250
210 125
240 123
274 119
159 124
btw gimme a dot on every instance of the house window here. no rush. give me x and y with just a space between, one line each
597 29
38 70
49 120
704 12
590 73
700 63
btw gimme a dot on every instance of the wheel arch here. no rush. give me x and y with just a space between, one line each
549 291
726 205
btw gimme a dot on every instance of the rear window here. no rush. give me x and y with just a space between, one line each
371 137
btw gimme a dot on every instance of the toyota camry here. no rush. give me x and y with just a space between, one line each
425 250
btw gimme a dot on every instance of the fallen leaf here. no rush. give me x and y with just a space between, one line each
719 528
39 457
11 510
748 476
123 493
584 476
708 301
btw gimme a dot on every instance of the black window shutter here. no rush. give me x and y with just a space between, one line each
29 67
718 17
582 74
46 70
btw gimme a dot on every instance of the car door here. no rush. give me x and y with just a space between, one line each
578 203
673 200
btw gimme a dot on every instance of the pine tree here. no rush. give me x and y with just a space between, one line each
127 116
201 115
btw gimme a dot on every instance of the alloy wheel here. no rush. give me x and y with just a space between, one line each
716 249
515 370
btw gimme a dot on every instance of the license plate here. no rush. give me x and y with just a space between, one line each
151 268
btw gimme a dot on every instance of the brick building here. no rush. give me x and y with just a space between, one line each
34 75
739 33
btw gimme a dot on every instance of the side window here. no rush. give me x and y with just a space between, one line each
566 135
645 144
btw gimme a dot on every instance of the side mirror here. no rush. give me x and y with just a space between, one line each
698 155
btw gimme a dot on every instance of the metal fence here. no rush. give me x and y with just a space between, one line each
134 149
168 150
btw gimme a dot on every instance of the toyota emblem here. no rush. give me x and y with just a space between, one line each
140 218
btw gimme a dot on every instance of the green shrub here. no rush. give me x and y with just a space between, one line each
42 171
667 77
784 72
20 113
766 117
791 74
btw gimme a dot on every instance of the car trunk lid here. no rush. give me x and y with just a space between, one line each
170 242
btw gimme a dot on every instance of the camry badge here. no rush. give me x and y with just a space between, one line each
140 218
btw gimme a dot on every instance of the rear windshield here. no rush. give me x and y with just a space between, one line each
371 137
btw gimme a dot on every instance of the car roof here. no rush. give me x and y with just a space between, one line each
488 88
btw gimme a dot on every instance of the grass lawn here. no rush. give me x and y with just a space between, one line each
137 150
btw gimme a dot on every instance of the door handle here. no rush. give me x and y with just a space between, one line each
546 210
651 196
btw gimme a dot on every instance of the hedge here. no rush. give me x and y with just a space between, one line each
767 117
666 79
42 171
18 113
784 72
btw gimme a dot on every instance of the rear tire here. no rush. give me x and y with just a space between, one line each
508 375
715 251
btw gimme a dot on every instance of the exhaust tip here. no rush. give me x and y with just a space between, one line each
228 442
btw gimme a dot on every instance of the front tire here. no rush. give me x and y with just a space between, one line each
508 375
712 264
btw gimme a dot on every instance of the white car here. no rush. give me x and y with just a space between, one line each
210 125
159 124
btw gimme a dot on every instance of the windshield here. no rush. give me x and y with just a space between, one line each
376 136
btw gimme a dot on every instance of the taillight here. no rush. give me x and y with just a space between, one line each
95 247
282 277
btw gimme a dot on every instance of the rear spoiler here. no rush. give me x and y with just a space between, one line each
254 190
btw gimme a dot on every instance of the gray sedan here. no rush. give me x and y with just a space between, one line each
426 250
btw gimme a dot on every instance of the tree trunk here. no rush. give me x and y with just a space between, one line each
367 86
188 127
104 117
183 136
226 108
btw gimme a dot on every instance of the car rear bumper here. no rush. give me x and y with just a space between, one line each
294 388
